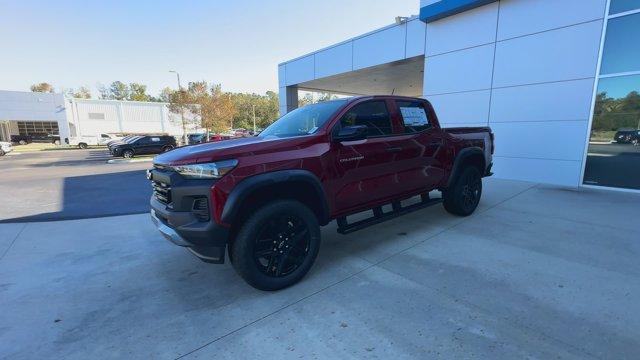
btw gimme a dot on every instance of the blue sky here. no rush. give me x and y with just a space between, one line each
237 42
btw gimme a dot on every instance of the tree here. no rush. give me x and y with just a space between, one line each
216 110
118 91
42 87
265 106
82 93
138 92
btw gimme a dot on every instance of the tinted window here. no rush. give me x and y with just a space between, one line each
414 116
621 51
618 6
373 114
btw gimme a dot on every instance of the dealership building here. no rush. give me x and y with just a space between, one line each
556 80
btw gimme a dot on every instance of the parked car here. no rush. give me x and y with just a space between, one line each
627 136
265 198
83 142
202 138
37 138
142 145
5 148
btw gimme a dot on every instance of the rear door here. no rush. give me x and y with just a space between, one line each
419 162
366 169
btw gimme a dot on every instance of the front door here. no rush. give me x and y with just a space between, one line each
365 169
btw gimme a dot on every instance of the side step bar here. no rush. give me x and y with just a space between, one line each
380 216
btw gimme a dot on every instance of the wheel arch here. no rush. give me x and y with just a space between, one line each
473 156
249 194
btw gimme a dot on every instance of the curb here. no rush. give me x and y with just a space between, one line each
126 161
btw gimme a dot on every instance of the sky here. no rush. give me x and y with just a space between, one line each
237 43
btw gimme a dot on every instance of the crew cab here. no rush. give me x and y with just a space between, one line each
262 200
142 145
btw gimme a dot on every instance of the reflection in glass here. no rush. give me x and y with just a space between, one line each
618 6
613 158
621 51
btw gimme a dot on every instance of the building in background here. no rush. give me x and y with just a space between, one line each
33 113
557 80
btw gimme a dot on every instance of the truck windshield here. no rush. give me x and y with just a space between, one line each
303 121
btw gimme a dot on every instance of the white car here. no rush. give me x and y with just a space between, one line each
5 148
84 141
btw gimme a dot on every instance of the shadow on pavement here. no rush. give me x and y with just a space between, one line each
100 195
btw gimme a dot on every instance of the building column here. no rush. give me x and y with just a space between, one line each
288 99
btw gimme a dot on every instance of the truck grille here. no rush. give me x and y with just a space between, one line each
162 192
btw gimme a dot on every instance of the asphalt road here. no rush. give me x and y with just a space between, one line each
615 165
70 184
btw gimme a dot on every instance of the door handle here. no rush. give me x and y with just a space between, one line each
394 149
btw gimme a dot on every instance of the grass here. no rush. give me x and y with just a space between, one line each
605 136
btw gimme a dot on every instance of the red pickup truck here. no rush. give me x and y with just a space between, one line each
263 199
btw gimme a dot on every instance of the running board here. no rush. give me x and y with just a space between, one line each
380 216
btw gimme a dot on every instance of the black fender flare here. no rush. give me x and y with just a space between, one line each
247 186
459 160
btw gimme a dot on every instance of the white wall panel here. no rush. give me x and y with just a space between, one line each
461 108
415 38
334 60
522 17
471 28
299 70
379 48
558 172
549 140
462 70
569 100
563 54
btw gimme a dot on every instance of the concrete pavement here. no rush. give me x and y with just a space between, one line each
537 272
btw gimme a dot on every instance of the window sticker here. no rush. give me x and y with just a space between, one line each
414 116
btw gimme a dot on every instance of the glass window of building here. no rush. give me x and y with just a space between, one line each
621 51
619 6
613 154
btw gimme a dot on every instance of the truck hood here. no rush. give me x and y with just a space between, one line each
226 149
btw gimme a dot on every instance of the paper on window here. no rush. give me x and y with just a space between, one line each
414 116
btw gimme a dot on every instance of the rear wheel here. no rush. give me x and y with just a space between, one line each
277 245
22 142
167 148
127 154
1 152
56 142
463 196
83 146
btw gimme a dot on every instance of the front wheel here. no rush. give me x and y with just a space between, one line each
167 148
277 245
463 197
83 146
22 142
1 152
127 154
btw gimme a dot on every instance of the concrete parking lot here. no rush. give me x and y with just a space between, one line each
536 272
70 184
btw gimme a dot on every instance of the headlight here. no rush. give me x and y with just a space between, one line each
214 170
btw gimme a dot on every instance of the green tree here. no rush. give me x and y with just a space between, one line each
118 91
42 87
138 92
81 93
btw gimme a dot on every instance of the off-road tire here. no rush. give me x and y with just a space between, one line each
246 242
456 200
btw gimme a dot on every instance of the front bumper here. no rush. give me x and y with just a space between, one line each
180 224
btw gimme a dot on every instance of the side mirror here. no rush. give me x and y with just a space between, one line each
351 133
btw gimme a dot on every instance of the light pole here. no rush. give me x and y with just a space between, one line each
184 128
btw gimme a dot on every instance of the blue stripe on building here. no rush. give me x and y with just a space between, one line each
446 8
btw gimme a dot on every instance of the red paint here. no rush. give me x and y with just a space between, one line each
373 176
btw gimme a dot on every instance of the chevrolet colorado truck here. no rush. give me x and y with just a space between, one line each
263 199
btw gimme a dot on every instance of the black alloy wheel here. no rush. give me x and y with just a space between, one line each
281 245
